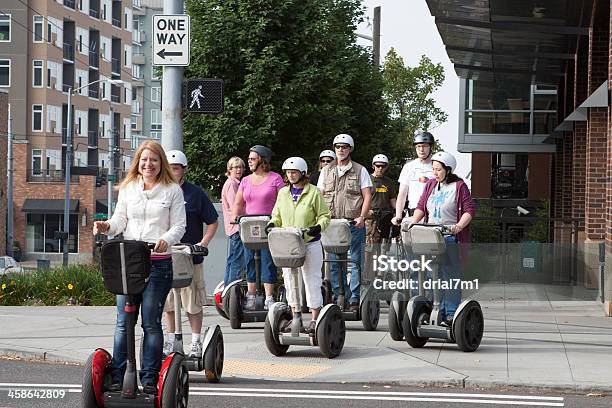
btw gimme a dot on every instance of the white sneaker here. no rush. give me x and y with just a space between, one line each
168 348
250 304
269 302
196 350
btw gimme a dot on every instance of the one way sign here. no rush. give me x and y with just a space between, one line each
171 39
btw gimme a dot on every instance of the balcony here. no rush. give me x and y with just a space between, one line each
116 66
116 22
69 3
67 87
92 138
68 52
48 176
138 36
138 59
94 59
116 98
94 93
94 13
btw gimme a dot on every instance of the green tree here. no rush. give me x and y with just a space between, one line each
408 94
294 78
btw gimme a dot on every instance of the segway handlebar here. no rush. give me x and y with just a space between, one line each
444 230
237 219
196 250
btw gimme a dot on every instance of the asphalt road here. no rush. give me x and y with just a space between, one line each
33 384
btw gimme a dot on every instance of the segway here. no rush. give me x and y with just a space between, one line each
289 251
422 318
211 361
253 237
336 239
125 267
218 296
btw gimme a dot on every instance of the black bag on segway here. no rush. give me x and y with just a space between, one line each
125 266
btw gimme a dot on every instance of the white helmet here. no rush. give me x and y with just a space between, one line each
328 153
296 163
380 158
344 138
446 159
176 157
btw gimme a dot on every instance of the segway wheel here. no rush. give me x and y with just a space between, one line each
408 328
235 307
219 304
396 317
271 337
213 359
88 388
331 333
370 312
469 327
175 390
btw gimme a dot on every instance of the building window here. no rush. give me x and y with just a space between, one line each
5 72
36 162
37 74
5 28
156 135
104 11
155 93
134 122
49 31
155 120
40 230
38 29
37 115
80 43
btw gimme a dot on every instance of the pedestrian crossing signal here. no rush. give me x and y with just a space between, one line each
204 96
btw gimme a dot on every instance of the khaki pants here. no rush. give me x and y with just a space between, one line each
193 297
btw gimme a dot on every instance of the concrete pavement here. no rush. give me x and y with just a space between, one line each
560 344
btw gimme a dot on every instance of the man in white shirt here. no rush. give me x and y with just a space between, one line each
414 175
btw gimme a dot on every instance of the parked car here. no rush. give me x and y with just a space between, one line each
9 265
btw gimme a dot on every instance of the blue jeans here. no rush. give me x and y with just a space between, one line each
450 298
268 269
235 259
357 256
152 300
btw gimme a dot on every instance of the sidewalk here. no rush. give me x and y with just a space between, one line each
564 345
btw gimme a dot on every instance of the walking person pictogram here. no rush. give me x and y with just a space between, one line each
196 94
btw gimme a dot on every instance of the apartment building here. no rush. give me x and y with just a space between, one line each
48 48
146 96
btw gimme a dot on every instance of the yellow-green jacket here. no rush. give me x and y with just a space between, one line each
309 210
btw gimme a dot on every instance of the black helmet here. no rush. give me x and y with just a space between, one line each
263 152
423 137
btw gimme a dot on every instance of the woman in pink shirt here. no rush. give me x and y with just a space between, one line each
257 196
235 257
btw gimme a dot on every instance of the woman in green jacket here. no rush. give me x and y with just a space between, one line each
301 205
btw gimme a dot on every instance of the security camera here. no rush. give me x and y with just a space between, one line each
521 210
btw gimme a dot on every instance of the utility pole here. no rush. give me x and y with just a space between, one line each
376 38
111 167
67 181
9 187
172 83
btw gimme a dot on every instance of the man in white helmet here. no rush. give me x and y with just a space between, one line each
347 190
414 175
383 201
325 157
199 211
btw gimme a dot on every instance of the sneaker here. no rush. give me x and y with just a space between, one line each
353 307
150 389
168 348
269 302
196 350
447 322
250 304
310 329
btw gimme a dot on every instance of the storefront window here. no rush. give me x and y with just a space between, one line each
40 231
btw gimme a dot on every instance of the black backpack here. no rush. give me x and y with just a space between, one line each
125 266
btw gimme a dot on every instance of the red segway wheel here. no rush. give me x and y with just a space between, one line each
173 383
218 292
95 375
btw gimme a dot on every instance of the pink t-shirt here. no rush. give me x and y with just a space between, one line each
260 198
228 193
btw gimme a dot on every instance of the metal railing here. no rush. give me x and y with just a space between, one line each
115 98
69 3
48 176
94 92
94 13
68 52
116 22
67 87
92 138
116 66
94 59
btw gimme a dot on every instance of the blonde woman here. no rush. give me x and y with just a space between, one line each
235 258
150 208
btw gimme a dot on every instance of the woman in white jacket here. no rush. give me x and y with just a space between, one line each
150 208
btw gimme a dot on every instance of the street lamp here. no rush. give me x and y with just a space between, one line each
66 230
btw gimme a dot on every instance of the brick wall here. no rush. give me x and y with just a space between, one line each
83 191
3 152
567 177
579 169
596 157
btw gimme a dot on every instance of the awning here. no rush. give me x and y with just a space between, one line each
48 206
598 99
578 115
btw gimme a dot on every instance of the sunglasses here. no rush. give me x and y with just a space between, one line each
326 161
342 147
380 166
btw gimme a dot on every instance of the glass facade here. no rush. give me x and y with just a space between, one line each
40 230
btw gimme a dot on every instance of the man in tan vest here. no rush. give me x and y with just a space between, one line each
347 189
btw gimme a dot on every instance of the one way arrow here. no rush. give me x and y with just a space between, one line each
163 53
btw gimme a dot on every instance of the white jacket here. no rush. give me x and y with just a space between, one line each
149 215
